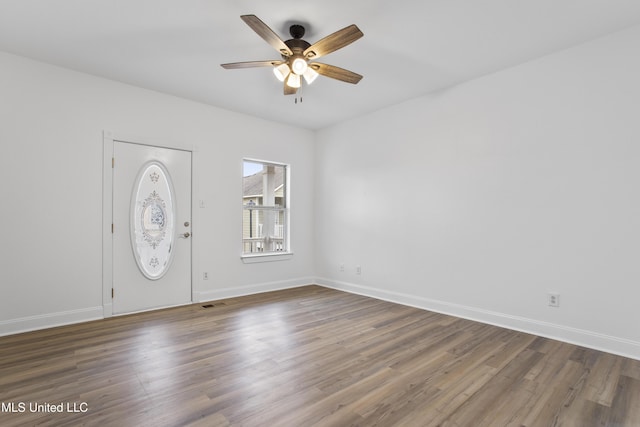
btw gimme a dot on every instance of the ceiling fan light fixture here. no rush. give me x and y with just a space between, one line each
299 66
310 75
293 80
297 52
281 71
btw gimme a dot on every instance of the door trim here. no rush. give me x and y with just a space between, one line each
108 139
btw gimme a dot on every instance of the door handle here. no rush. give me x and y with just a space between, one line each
186 235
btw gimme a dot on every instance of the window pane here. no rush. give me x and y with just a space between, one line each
265 215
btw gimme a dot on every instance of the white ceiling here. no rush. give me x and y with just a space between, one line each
409 48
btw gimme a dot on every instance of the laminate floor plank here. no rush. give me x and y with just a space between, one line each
308 356
603 379
625 407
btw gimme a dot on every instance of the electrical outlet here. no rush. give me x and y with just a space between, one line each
358 269
553 299
205 276
341 267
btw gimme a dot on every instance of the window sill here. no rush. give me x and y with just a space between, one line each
269 257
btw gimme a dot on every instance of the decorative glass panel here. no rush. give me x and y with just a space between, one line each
153 220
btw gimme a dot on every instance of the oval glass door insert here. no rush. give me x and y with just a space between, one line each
153 220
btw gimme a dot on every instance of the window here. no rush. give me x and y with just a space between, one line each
265 201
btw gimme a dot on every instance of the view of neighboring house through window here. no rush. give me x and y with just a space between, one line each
265 208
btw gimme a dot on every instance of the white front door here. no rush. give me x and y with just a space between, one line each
151 227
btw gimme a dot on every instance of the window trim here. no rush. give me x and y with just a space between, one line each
259 257
268 257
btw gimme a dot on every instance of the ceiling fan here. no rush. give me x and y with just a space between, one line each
297 55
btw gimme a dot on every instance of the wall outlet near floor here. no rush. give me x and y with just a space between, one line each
205 276
553 299
358 269
341 267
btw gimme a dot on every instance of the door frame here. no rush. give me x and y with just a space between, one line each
108 139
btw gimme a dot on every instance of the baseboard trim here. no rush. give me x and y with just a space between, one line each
50 320
610 344
258 288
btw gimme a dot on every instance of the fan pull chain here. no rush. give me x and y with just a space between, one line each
300 90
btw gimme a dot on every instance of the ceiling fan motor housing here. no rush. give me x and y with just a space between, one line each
297 46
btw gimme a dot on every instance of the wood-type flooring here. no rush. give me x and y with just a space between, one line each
309 356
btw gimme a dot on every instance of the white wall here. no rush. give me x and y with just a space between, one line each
480 199
52 123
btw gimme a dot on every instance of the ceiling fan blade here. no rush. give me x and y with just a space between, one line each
267 34
337 73
333 42
251 64
288 90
